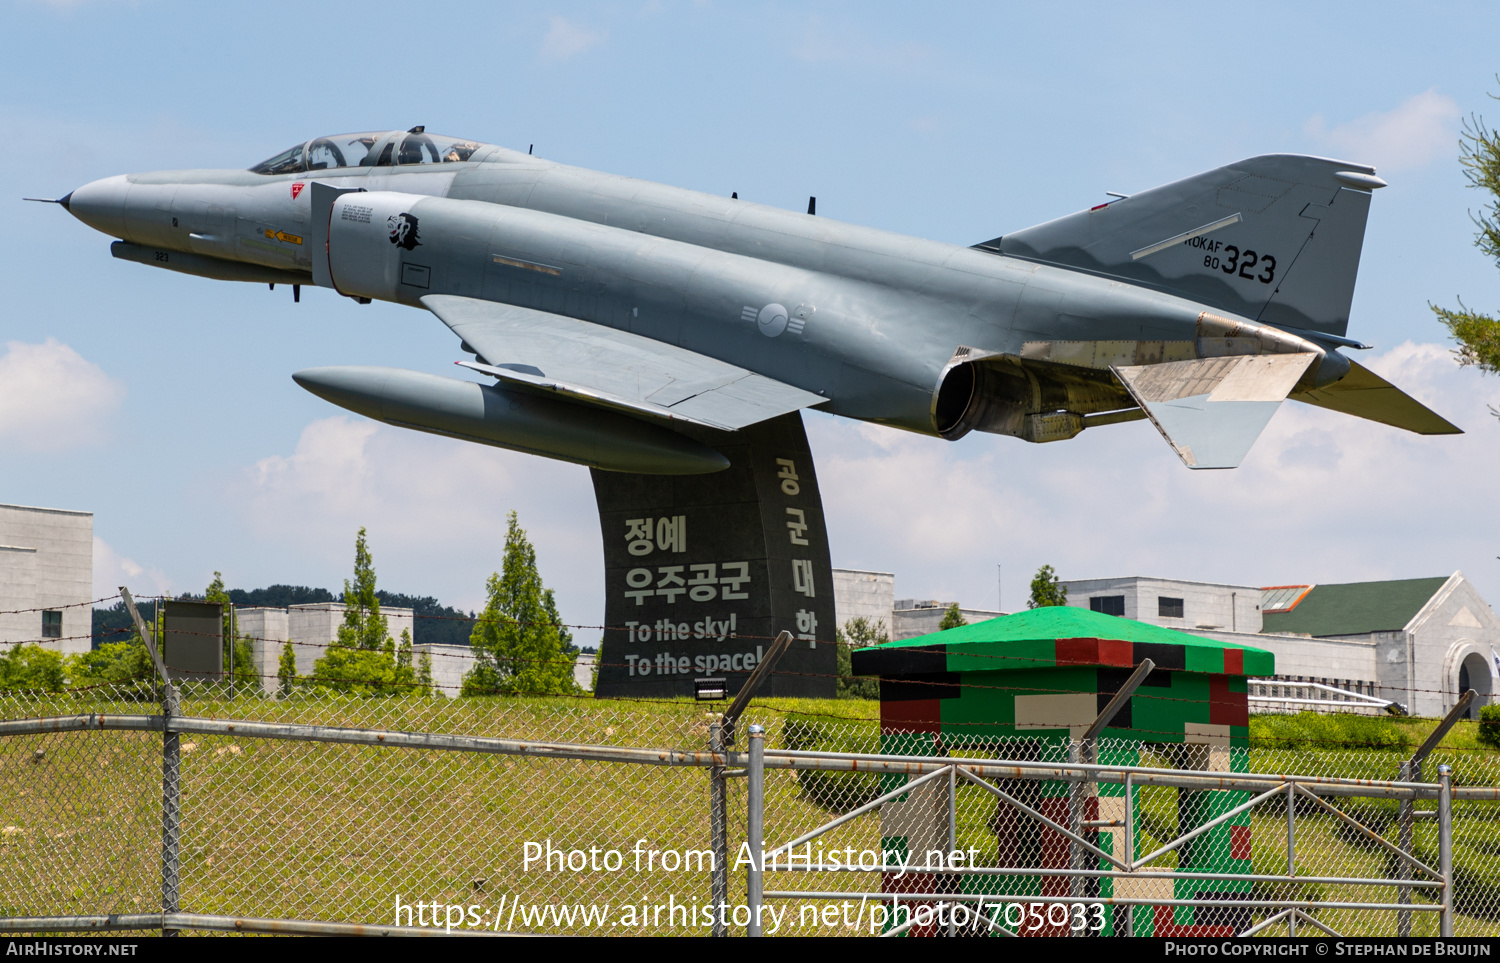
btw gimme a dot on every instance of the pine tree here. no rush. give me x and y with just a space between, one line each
403 648
424 673
286 669
1478 335
520 645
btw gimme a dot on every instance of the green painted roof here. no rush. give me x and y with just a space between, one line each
1355 608
1062 622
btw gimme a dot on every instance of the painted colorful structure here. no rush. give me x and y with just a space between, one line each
1021 687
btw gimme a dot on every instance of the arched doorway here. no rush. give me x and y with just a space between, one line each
1474 672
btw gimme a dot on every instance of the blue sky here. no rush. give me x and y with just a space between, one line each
165 405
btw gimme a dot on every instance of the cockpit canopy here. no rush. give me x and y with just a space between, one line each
374 149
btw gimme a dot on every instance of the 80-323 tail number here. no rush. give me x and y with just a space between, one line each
1231 260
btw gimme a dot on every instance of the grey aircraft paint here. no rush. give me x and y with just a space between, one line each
612 312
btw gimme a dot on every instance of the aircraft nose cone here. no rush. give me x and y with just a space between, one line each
101 205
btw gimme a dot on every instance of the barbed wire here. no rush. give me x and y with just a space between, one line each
46 641
904 680
304 683
651 681
934 649
54 608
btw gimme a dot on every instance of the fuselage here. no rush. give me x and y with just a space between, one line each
875 318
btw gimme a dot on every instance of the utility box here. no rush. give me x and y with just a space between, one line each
1023 687
193 644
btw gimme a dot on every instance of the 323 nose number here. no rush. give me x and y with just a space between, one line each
1034 916
1243 263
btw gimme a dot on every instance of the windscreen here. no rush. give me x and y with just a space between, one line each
370 149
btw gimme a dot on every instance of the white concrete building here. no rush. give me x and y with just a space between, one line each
310 628
913 617
864 595
583 670
450 663
46 577
872 596
1419 642
1172 603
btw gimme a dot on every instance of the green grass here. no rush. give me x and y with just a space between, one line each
319 831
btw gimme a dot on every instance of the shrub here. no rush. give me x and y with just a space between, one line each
1489 726
837 792
1334 730
31 667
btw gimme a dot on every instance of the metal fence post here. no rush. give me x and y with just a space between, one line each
1130 853
1086 750
756 823
171 768
1404 819
1411 771
718 832
171 808
1076 853
1445 843
951 882
720 738
1291 848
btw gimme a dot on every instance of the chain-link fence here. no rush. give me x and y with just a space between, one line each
1155 839
558 815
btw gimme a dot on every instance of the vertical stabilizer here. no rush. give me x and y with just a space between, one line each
1275 238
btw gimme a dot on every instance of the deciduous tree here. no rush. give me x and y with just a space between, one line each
1046 589
30 666
241 661
363 659
858 633
520 645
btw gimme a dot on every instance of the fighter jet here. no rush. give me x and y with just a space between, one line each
606 314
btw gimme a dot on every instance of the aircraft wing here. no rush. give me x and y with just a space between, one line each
1211 410
1365 394
617 369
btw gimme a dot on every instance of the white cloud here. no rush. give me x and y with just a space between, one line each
1423 127
52 398
111 570
435 509
566 40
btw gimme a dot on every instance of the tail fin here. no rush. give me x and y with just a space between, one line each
1275 238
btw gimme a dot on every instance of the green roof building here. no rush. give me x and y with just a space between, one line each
1420 642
